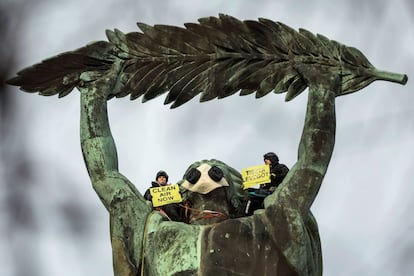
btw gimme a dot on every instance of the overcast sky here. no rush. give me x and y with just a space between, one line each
363 208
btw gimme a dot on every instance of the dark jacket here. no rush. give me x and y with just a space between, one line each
173 210
277 174
147 194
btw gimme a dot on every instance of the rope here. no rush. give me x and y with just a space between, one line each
144 239
164 213
201 214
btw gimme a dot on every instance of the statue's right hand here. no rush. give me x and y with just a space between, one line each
322 76
107 83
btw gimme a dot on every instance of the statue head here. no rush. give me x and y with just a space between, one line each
213 186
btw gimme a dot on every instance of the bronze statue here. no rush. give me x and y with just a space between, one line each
215 58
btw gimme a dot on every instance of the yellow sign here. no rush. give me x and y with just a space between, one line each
256 175
165 195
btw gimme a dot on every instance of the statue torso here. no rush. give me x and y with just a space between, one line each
241 246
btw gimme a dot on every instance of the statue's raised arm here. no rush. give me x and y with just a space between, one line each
215 58
127 208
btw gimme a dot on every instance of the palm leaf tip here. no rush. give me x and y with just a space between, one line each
13 81
391 76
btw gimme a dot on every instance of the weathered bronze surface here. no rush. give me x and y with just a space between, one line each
215 58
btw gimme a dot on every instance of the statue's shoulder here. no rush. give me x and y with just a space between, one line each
171 245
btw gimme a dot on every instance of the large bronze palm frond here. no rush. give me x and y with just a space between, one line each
216 57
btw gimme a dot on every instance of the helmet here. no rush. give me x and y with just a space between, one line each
272 157
161 173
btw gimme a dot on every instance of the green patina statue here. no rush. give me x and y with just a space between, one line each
215 58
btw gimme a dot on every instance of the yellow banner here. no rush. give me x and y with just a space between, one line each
165 195
255 175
